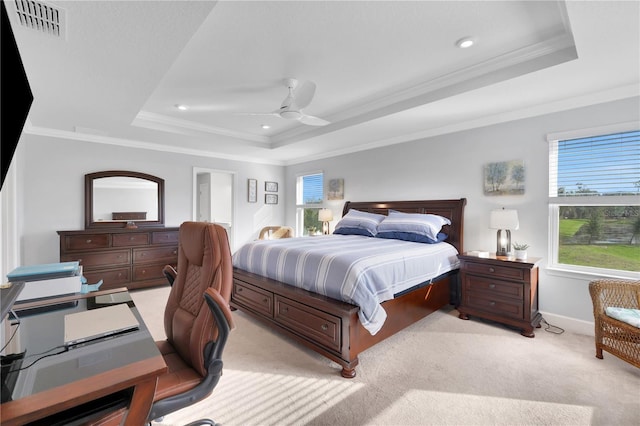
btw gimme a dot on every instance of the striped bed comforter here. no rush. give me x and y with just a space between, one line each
360 270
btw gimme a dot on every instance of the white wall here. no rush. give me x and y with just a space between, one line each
51 186
51 189
451 166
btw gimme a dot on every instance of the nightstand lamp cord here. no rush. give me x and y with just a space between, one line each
552 328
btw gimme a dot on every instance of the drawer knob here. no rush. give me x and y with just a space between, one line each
175 252
239 289
492 303
492 270
144 271
131 238
285 309
88 241
492 285
325 327
265 300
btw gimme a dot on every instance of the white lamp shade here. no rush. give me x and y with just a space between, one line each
325 215
504 219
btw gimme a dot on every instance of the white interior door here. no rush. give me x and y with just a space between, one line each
214 198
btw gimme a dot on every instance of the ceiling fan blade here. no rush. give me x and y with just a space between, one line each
259 113
313 121
304 93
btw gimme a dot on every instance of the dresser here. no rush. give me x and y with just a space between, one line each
500 289
132 258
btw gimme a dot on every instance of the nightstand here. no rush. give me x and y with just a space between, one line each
500 289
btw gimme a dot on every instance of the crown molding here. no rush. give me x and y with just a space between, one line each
165 123
30 129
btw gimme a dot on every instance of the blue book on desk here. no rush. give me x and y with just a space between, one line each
44 271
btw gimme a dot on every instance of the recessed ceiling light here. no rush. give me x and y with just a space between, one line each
182 107
266 126
465 42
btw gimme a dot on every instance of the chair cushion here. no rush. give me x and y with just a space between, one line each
629 316
179 377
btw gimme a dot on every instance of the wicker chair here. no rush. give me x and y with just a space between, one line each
275 232
616 337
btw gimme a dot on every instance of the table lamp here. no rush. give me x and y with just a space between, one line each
504 220
325 216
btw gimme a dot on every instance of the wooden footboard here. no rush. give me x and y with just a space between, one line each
328 326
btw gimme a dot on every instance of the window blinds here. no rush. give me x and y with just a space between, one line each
312 189
607 165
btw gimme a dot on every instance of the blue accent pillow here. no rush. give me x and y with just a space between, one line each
356 222
423 225
410 236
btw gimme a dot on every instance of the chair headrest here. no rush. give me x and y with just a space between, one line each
192 236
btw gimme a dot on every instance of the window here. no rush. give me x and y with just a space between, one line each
309 198
594 203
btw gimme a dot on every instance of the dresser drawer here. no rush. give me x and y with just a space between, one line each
87 241
156 254
253 298
311 323
494 305
164 237
507 289
125 240
110 277
100 259
147 272
493 270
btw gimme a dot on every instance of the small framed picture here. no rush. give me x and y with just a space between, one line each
270 199
252 191
271 187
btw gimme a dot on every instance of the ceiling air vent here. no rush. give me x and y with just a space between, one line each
41 17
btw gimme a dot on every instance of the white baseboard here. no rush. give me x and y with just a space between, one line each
569 324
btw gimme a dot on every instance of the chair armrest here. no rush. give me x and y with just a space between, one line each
170 273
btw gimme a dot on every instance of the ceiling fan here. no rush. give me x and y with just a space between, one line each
300 95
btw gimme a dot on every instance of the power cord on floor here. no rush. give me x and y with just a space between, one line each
551 328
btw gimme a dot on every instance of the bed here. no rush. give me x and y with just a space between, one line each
335 328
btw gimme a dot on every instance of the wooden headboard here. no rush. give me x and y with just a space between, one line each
451 209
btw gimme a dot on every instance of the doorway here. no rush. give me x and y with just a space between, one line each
213 198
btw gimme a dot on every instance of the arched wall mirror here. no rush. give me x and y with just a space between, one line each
120 199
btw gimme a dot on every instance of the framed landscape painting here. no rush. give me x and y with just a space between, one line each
504 178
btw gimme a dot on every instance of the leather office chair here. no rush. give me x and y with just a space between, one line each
197 319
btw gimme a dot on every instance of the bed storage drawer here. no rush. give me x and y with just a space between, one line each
253 298
309 322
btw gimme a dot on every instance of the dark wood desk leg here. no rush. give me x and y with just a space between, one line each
141 402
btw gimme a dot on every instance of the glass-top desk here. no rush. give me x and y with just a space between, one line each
50 378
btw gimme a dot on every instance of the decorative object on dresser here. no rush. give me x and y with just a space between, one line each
500 289
520 250
121 257
332 327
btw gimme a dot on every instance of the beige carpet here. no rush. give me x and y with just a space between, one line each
440 371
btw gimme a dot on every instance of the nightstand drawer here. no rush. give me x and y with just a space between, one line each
494 270
494 305
506 289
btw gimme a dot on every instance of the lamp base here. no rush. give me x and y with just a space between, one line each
325 228
503 247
